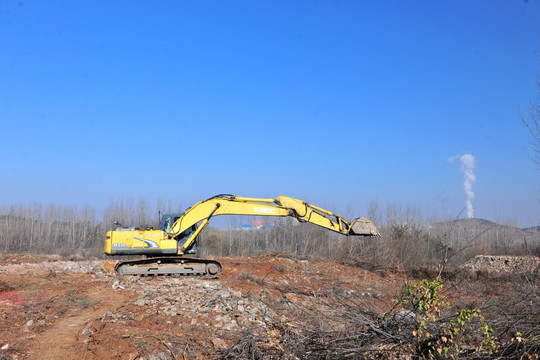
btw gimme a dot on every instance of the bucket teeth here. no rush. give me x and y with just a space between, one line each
363 226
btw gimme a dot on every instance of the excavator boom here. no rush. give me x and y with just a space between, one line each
180 237
281 206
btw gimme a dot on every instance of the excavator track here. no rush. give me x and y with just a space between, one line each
169 266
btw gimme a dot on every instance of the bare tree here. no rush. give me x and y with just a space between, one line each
531 120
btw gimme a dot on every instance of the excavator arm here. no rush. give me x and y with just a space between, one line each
281 206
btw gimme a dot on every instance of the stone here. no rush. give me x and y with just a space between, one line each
141 302
406 316
224 294
218 343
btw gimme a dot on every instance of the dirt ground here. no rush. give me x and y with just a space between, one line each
53 308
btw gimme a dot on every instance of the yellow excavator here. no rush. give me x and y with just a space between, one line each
164 249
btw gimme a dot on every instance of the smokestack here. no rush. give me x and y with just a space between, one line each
468 164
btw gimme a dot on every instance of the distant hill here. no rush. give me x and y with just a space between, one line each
531 229
477 224
484 231
482 224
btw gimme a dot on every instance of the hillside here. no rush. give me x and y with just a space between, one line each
500 237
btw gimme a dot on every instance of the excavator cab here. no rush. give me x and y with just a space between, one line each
167 220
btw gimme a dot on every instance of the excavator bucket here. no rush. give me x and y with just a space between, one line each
363 226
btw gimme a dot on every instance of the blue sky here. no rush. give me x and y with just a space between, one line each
335 102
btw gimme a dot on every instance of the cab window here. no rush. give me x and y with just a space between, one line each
167 223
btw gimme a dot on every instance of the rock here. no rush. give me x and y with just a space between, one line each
259 323
116 285
209 287
30 323
224 294
218 343
254 311
230 325
141 302
112 316
406 316
159 356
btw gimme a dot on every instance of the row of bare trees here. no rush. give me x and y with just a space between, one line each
67 230
36 228
408 238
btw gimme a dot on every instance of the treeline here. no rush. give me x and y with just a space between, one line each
67 230
408 239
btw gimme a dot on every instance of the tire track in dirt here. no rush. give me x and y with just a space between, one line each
60 341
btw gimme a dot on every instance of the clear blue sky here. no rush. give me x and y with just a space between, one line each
335 102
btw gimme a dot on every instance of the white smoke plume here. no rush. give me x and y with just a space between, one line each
468 164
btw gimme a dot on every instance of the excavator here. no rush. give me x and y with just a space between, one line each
164 249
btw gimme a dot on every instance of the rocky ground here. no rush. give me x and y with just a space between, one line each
262 307
493 265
